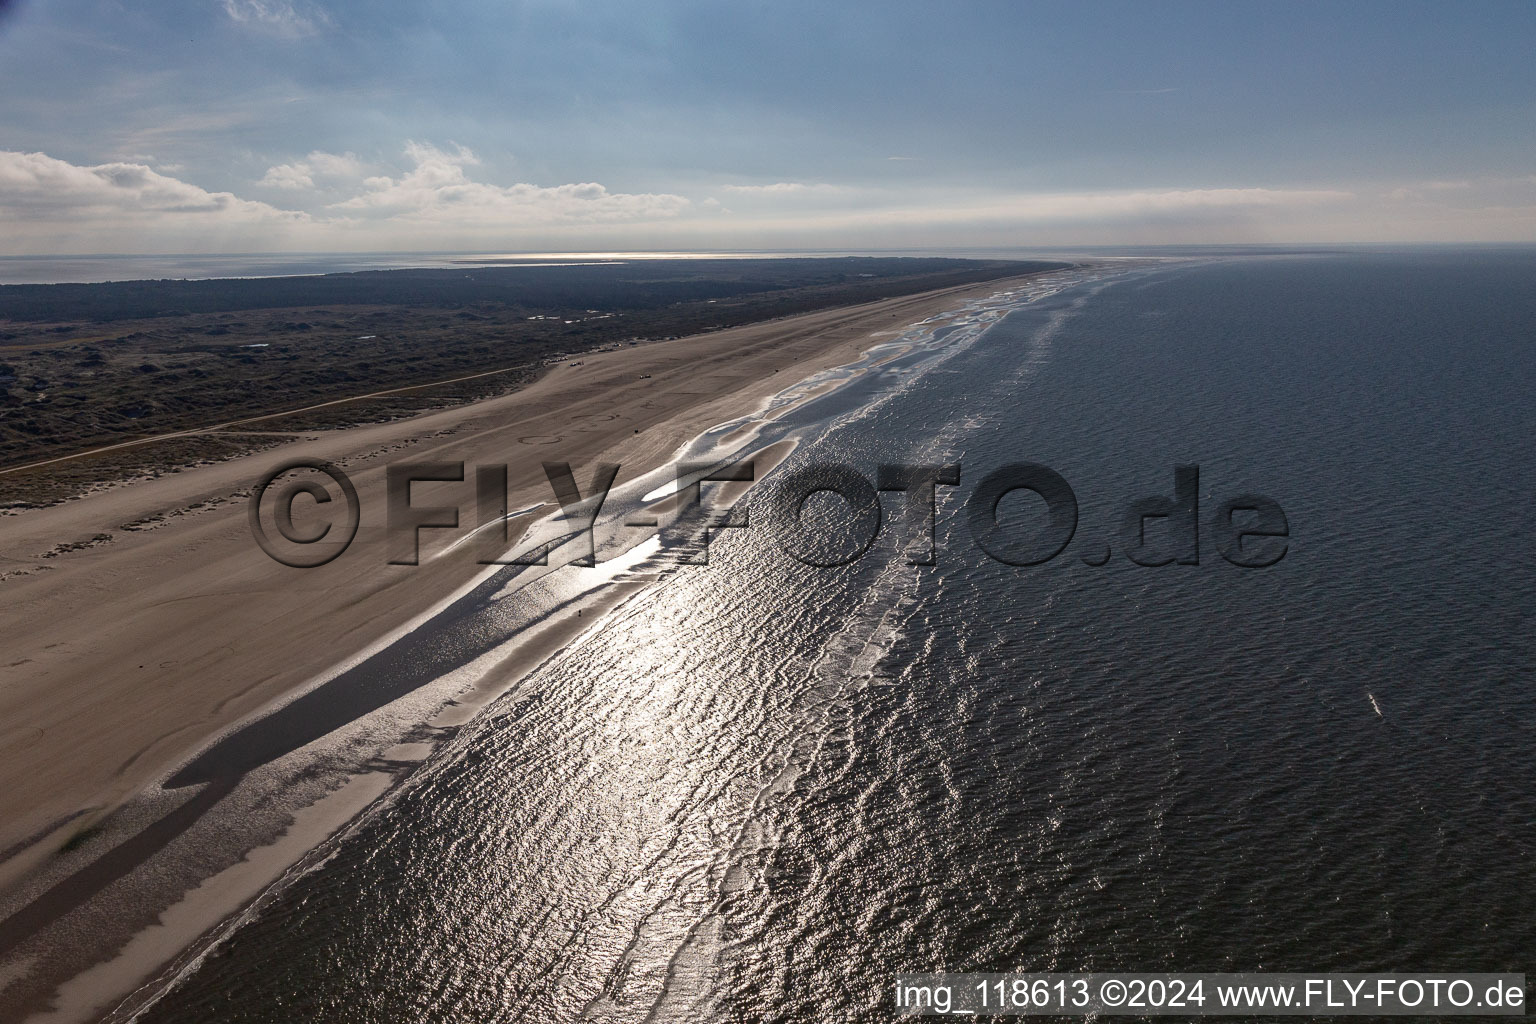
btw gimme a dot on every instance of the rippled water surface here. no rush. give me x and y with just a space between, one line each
760 788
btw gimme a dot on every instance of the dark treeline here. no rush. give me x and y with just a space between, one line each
635 285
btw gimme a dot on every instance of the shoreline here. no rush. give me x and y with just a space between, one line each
797 346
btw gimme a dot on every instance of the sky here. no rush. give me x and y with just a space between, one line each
187 126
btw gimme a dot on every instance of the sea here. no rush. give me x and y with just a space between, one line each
842 740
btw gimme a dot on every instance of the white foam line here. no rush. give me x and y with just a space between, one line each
472 534
665 490
605 572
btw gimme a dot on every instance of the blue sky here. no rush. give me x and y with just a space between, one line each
258 125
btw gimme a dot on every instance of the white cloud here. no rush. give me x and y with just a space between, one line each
437 189
941 206
160 165
335 165
780 188
50 205
1149 203
1484 193
301 174
290 176
870 206
37 186
278 17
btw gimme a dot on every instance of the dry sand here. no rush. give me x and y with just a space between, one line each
123 658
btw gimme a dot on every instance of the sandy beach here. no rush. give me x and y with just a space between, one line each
125 656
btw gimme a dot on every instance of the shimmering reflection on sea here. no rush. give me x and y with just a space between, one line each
761 788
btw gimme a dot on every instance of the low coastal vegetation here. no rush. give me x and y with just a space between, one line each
87 366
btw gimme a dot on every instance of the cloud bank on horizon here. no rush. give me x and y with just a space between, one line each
265 125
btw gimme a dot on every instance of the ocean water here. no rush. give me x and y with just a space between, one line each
760 788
